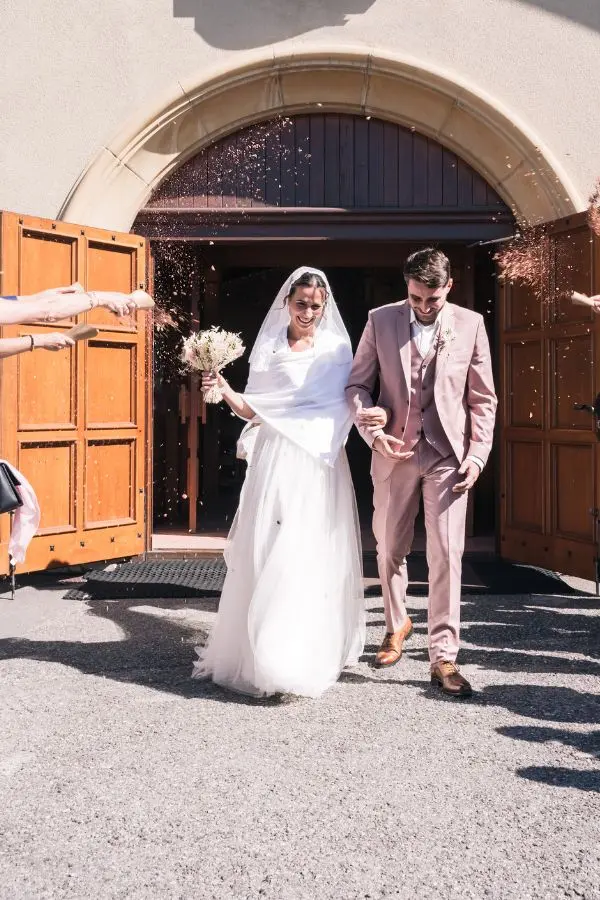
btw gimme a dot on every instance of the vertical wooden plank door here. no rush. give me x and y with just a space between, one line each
550 453
76 423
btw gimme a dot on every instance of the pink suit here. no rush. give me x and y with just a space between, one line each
443 406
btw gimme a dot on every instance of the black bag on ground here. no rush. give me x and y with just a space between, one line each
10 499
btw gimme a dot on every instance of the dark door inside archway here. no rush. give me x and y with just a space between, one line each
244 295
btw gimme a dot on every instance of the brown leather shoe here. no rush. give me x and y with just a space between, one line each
448 678
390 651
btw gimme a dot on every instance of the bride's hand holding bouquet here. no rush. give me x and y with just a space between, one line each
208 352
212 382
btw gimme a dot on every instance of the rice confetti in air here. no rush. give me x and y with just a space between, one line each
524 260
593 212
210 351
165 318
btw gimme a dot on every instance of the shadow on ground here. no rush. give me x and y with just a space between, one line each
517 634
548 635
156 652
530 634
583 742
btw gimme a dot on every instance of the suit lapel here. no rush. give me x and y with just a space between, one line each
445 339
403 326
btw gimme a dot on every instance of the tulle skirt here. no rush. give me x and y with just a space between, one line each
292 612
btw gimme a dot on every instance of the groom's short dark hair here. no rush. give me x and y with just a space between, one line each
429 266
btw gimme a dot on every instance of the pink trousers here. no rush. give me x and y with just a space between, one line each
396 504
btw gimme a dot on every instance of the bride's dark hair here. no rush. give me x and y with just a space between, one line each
309 279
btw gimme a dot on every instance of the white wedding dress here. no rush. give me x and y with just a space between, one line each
292 615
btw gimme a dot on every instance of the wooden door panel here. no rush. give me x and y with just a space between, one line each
572 490
47 260
111 267
77 422
572 380
524 373
111 382
51 468
110 484
526 507
550 453
523 308
46 393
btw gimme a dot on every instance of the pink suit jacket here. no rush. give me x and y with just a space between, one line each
463 388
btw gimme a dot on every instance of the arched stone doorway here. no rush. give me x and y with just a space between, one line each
262 84
351 194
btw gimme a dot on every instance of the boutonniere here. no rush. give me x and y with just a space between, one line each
447 335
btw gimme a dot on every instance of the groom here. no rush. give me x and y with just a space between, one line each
431 433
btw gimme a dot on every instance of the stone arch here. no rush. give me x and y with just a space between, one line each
201 110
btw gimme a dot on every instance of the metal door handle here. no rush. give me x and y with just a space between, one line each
593 408
584 406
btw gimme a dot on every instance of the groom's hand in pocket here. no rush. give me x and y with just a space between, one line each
471 471
391 447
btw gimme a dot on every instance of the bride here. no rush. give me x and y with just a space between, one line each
291 614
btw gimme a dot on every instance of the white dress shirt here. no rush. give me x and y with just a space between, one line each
424 336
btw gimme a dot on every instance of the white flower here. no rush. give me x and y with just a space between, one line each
446 336
211 350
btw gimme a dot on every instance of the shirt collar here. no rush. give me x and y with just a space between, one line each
414 321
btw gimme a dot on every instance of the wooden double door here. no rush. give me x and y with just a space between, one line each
549 386
76 423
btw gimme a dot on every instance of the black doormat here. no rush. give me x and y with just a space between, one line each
201 577
158 578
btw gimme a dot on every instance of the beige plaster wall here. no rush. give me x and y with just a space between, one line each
75 74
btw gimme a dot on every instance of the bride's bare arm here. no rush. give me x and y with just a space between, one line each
234 400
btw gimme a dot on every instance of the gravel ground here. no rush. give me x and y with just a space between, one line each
121 777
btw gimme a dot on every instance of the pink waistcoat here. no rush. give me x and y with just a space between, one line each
423 419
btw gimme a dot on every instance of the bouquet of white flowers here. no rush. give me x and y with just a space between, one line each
211 351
